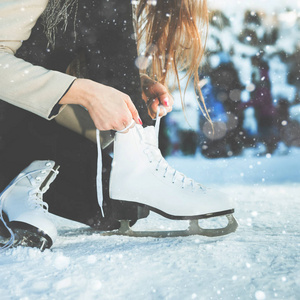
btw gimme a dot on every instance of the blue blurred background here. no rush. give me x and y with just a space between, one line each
250 80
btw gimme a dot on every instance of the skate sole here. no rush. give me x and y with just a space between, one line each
29 236
166 215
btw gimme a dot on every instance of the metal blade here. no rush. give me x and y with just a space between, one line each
193 229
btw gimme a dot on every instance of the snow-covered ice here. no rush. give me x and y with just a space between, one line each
259 261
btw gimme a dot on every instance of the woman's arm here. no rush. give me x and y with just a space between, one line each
32 88
37 89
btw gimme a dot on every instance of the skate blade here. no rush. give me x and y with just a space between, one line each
27 235
24 238
27 238
193 229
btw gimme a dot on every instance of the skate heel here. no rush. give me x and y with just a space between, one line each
125 210
27 235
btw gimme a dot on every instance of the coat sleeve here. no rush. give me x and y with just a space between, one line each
22 84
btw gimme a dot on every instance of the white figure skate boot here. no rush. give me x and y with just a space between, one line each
141 175
27 214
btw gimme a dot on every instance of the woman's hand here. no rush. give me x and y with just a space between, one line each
108 107
155 94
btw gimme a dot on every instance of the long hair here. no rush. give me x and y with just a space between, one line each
173 34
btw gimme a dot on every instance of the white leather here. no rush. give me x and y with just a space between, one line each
135 178
17 200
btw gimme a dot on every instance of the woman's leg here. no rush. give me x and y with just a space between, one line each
73 193
26 137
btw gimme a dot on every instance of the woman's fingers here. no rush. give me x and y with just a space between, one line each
167 101
133 110
153 107
154 93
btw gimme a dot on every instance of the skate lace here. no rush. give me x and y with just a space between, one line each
99 188
154 155
35 200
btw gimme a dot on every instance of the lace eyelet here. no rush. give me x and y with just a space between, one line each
48 164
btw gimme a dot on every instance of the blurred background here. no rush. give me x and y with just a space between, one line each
250 80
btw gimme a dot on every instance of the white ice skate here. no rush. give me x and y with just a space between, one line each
26 213
142 176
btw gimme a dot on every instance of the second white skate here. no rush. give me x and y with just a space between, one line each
26 213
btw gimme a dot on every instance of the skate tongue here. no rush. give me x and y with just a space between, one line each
150 133
49 179
150 136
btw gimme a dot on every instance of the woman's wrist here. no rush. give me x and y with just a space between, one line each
77 93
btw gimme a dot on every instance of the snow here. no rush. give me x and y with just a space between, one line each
259 261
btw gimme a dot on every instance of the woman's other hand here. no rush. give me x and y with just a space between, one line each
155 94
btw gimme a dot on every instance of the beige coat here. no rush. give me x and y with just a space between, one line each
30 87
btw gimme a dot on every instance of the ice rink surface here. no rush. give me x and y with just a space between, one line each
259 261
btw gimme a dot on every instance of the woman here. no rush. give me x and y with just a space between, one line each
95 40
